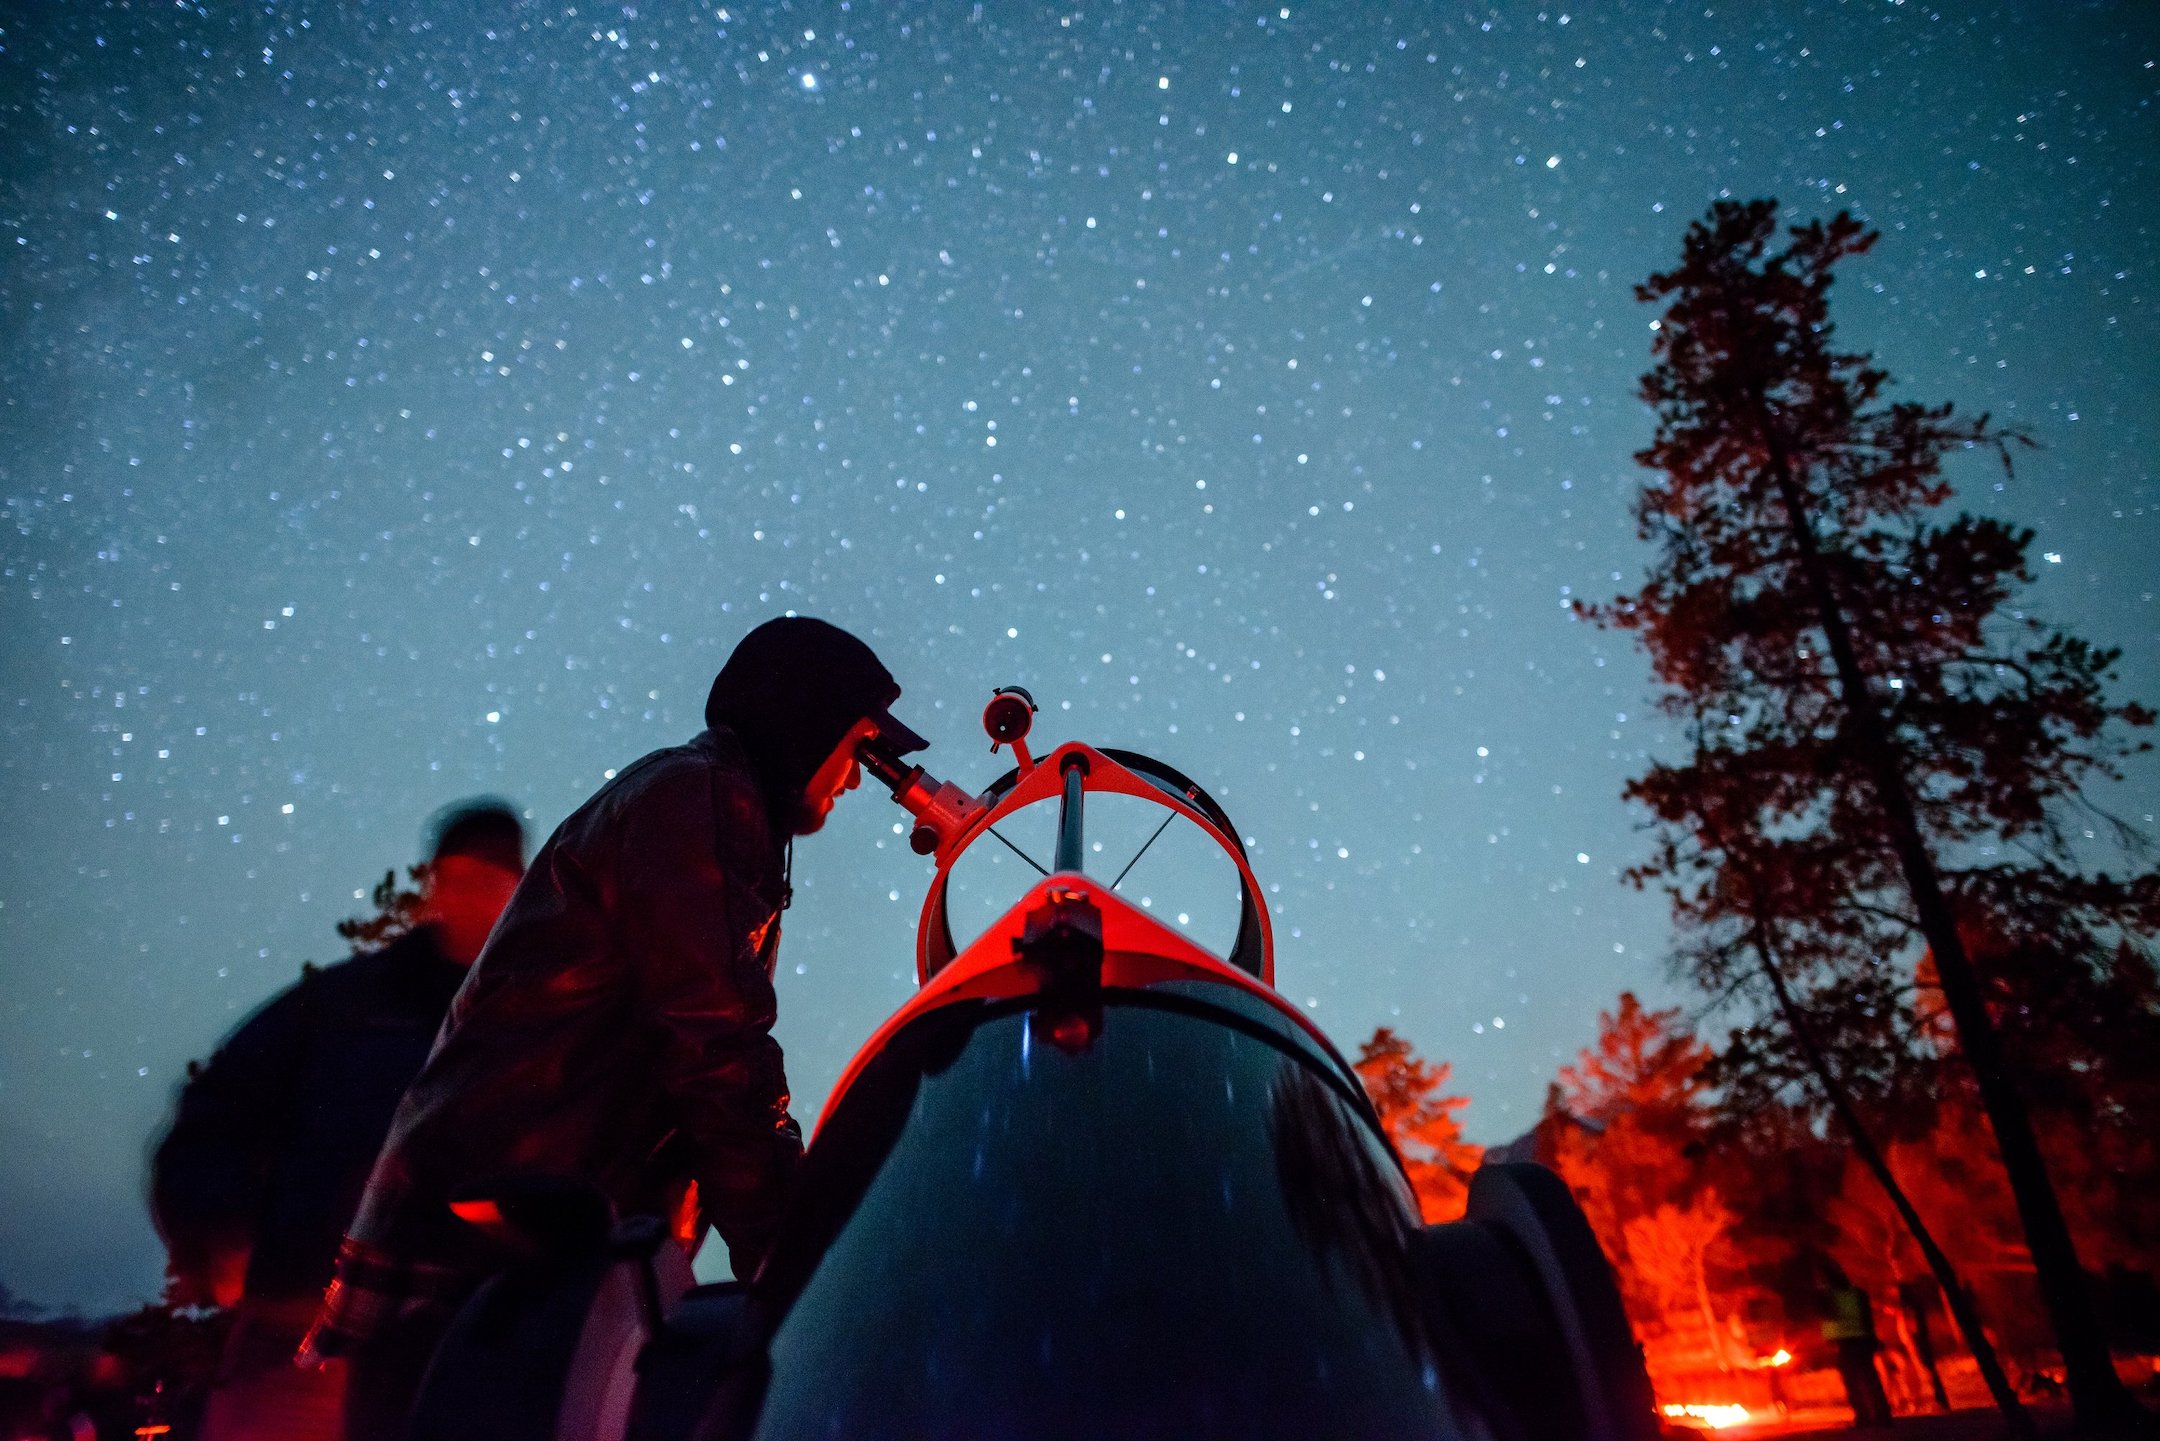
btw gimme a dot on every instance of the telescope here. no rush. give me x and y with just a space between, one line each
1092 1180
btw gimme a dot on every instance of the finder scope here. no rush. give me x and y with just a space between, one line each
1009 716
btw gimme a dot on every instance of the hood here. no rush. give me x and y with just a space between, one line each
790 691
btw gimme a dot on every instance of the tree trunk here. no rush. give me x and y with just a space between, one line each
1955 1296
1708 1312
2096 1393
1911 1385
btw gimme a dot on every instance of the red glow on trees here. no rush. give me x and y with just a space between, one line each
1420 1119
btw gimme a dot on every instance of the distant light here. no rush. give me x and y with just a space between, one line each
809 81
1233 158
1552 162
286 808
2054 557
494 716
1716 1416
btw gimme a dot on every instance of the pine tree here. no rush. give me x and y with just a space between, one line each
1887 742
1646 1064
1634 1097
1420 1119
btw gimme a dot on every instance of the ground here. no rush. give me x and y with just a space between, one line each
1966 1425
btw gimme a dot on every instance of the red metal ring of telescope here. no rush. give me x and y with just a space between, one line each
1044 781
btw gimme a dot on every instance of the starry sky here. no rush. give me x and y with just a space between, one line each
405 400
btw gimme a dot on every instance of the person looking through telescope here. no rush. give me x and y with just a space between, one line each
616 1030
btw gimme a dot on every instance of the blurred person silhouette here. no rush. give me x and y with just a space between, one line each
1920 1296
272 1142
616 1031
1848 1323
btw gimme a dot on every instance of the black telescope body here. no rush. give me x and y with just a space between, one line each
1092 1181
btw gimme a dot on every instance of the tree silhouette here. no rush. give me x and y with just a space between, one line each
1889 743
397 910
1420 1119
1845 1040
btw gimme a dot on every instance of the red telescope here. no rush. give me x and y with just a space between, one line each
1093 1179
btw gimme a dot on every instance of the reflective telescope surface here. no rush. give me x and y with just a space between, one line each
1185 1226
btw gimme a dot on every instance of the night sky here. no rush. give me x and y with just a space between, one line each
404 401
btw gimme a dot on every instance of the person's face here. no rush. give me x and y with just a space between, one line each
840 774
464 896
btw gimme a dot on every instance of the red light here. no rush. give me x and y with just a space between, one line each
1072 1032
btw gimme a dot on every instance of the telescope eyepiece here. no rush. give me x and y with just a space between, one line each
882 759
1009 716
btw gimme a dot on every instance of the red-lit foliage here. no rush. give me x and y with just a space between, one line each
1717 1206
1626 1127
1420 1119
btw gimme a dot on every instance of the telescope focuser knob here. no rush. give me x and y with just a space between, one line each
923 839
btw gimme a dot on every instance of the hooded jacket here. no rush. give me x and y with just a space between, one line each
616 1027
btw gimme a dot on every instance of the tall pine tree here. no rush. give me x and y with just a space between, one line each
1897 747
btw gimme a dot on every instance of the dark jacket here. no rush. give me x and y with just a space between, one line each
272 1142
616 1028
